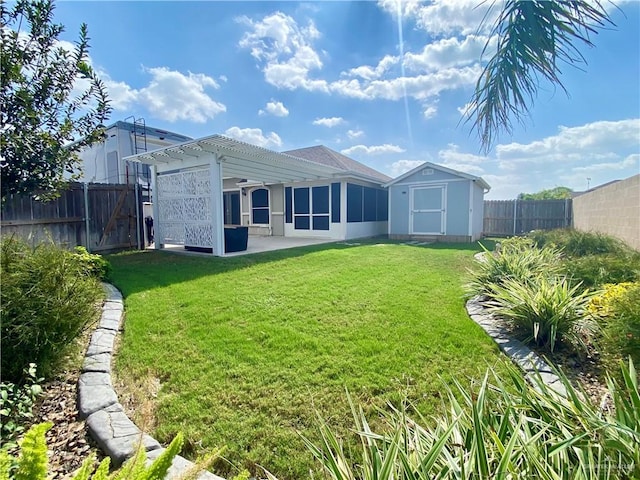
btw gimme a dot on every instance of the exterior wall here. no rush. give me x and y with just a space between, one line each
365 229
434 238
477 212
435 176
457 216
613 210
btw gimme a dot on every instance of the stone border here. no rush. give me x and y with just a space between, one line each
108 423
529 361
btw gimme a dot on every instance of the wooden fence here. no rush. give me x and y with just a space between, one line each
515 217
100 217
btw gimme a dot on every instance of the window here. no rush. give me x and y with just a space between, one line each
311 208
335 203
288 205
260 206
366 204
354 203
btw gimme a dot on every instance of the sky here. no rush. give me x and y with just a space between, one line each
385 83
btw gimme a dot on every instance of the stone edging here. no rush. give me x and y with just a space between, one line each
530 363
108 423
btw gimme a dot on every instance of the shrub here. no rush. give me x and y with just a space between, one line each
548 310
517 260
575 243
596 270
94 264
621 324
47 299
501 430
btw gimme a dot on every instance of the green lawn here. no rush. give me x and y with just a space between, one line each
248 349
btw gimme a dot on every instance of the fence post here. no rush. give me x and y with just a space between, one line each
515 215
86 215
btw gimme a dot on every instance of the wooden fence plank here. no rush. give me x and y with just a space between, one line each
515 217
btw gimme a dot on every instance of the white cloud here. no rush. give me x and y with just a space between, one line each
255 137
353 134
371 73
452 157
172 95
420 87
223 78
448 52
274 108
584 144
430 111
447 17
285 49
373 149
403 166
329 122
630 161
466 109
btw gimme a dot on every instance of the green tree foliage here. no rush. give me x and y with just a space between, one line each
556 193
534 38
50 98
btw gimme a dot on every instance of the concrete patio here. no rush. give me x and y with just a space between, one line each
255 244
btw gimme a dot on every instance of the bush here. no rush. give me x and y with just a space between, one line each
548 310
596 270
47 299
621 324
16 405
575 243
517 260
94 264
501 430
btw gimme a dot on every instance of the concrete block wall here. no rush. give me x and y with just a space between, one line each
613 210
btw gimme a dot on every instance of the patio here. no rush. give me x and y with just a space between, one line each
256 244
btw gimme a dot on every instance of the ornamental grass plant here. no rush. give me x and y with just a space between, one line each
48 296
515 431
547 308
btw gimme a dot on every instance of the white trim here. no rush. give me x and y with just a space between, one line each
216 206
471 209
249 194
440 168
442 210
157 234
431 182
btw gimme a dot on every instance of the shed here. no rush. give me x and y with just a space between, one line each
436 203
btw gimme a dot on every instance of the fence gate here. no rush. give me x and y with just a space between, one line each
100 217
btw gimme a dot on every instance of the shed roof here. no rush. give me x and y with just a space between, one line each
434 166
326 156
239 160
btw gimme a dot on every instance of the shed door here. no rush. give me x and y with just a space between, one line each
428 207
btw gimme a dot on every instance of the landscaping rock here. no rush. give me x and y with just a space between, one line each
101 341
100 362
179 467
117 435
95 393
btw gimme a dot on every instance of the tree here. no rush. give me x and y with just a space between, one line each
557 193
534 37
53 104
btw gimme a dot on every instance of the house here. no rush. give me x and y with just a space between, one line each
104 162
432 202
202 186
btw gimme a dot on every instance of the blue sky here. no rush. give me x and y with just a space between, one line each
381 84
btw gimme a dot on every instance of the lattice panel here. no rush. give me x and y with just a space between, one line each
170 185
197 209
173 232
199 235
185 204
171 209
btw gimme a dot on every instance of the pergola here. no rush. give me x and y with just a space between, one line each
188 190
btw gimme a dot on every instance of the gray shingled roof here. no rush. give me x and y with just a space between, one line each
326 156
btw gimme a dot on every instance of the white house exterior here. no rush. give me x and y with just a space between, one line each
104 162
207 184
432 202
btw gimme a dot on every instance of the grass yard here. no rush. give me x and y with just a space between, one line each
249 350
